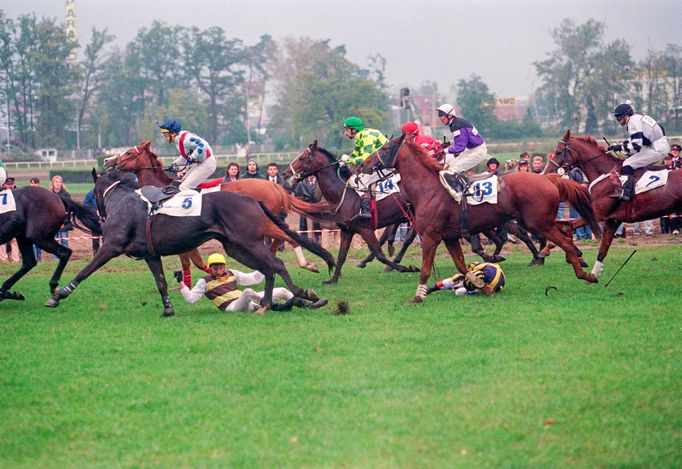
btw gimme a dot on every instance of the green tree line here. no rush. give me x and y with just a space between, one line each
115 96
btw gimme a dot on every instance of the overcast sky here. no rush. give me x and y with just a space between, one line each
422 40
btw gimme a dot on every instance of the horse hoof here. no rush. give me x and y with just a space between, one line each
331 281
416 300
310 294
583 263
51 303
537 262
414 268
498 259
391 250
311 267
591 278
388 268
360 265
167 312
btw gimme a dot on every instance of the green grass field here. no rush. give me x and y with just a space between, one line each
588 376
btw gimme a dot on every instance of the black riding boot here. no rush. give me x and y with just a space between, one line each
626 192
457 181
172 188
364 208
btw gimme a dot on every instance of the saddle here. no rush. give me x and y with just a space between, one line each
155 195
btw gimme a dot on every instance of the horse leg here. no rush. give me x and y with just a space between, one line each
370 257
156 267
522 234
302 262
103 255
608 234
409 239
392 230
477 247
28 262
344 246
429 247
499 241
558 237
373 243
62 253
455 250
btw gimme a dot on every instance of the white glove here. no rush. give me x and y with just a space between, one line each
345 158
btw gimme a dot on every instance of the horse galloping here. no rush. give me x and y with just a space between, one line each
600 167
37 219
391 210
437 216
144 163
128 229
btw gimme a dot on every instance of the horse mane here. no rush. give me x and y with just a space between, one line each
590 140
344 172
418 152
156 163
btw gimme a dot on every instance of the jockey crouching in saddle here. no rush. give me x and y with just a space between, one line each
221 287
367 142
467 150
194 150
646 145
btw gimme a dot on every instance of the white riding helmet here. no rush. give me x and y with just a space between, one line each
446 110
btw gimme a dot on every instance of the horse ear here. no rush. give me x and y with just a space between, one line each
94 175
146 144
313 146
567 135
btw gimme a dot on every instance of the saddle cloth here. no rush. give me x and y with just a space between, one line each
648 181
483 191
7 202
183 204
383 189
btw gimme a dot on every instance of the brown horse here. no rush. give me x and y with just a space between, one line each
149 171
332 181
598 164
38 216
532 199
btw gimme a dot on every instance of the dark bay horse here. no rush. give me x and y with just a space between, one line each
149 171
129 230
532 199
38 216
390 211
598 163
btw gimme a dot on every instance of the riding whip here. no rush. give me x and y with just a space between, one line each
626 261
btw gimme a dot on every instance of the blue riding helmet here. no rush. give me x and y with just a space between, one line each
171 125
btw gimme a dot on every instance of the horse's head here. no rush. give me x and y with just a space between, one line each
579 151
105 182
129 160
310 161
385 157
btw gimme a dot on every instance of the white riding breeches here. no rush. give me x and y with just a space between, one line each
198 173
250 300
363 181
467 159
660 148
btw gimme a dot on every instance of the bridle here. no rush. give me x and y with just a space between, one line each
569 163
308 155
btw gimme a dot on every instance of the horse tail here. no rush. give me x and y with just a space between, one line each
309 244
579 198
86 215
320 210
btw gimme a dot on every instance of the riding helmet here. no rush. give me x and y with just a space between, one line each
171 125
623 109
215 259
354 122
446 110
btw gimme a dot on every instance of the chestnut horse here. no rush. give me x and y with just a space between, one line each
532 199
149 171
332 180
598 164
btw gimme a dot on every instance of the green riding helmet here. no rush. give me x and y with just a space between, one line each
354 123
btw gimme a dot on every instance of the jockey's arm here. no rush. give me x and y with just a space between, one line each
247 279
195 294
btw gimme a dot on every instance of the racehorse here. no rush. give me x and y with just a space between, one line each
437 216
38 216
149 171
128 229
599 165
391 210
